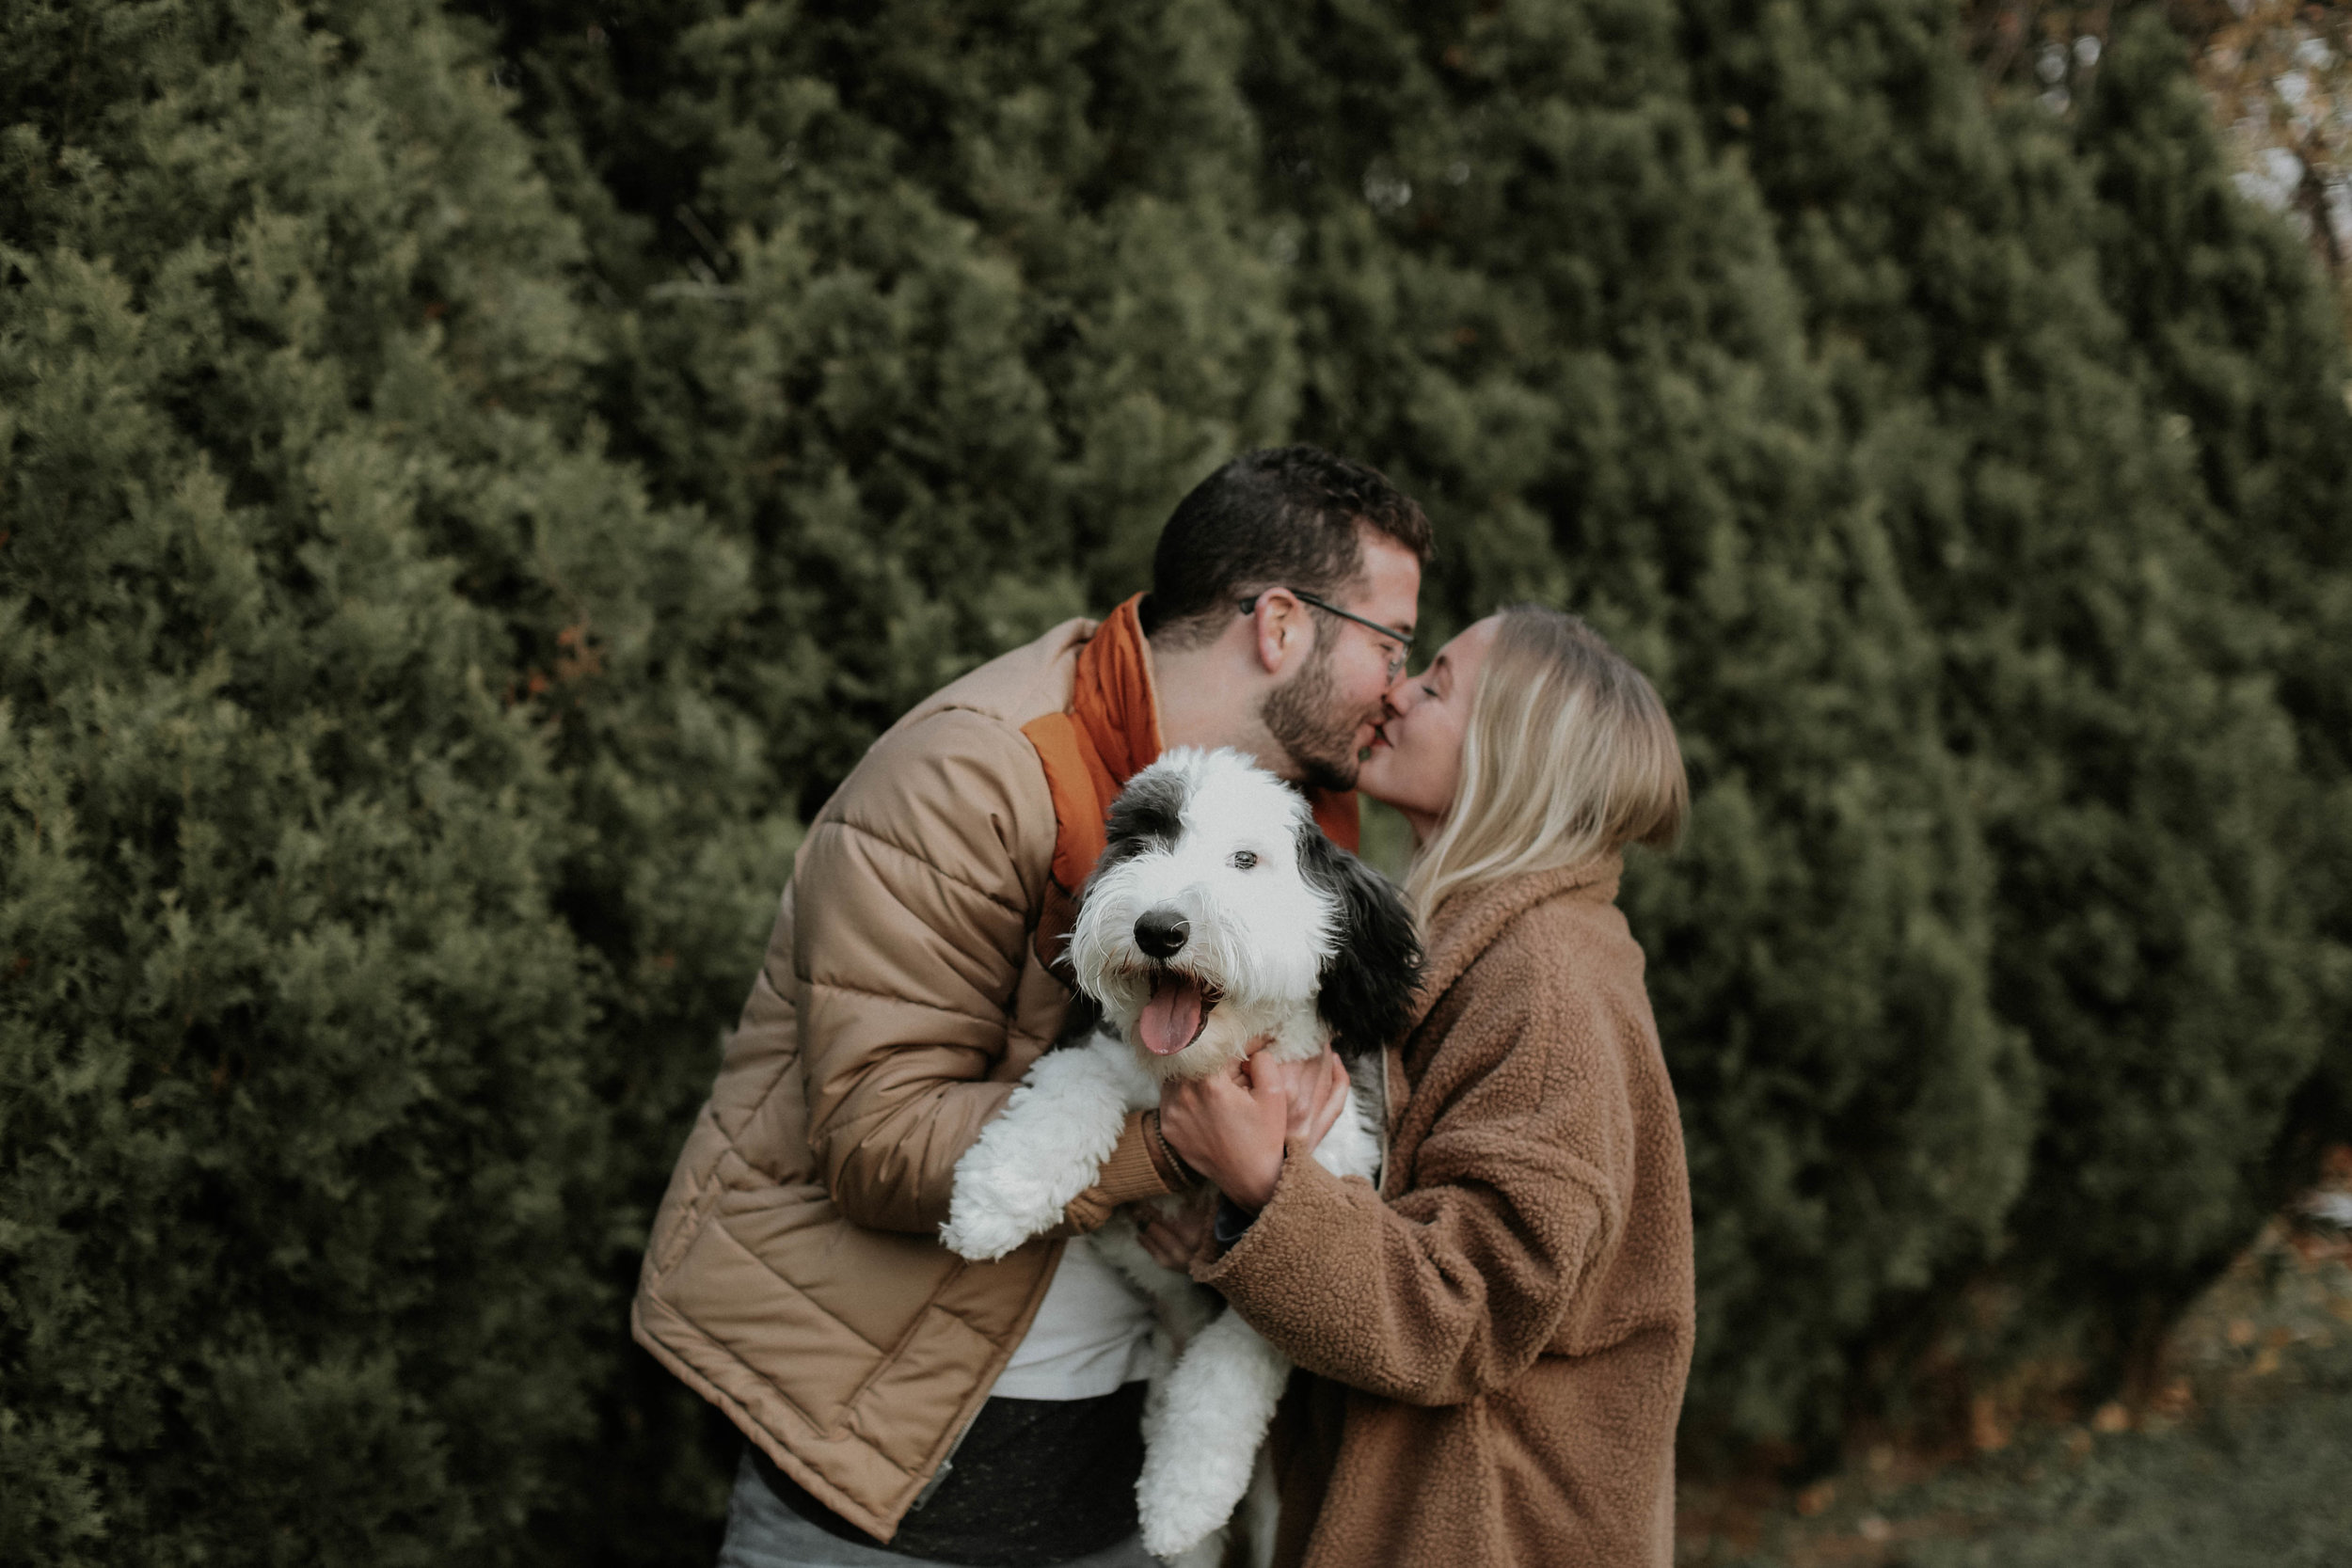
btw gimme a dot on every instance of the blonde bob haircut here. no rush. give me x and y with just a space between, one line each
1567 755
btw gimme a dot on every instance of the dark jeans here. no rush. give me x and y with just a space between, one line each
763 1533
1035 1483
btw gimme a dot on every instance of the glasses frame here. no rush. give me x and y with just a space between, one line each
1404 640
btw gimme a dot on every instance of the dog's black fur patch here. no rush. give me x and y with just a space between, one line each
1374 967
1148 814
1079 1023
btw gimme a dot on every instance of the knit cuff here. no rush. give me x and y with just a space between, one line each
1132 1173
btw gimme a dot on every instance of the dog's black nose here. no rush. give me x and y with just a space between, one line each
1162 932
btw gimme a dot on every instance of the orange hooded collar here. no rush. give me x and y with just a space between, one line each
1109 732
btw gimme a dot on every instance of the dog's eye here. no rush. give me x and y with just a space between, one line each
1244 860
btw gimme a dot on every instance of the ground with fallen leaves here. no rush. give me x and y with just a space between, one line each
2242 1458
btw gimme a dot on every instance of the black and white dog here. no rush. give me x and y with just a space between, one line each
1219 914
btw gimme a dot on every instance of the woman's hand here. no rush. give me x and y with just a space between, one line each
1232 1126
1318 1090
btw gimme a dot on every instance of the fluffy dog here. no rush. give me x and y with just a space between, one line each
1219 914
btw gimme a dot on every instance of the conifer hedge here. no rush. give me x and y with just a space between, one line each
470 482
377 854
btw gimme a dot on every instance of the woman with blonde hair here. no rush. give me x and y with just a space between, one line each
1492 1346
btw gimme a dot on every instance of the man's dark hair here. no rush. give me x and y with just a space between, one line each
1279 517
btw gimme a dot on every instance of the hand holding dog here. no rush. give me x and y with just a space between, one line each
1232 1125
1174 1241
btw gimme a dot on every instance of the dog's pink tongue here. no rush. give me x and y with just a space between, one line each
1172 1017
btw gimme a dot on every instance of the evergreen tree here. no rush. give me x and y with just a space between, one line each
2244 346
934 309
2107 674
371 826
1535 289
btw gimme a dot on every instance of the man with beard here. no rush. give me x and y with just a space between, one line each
902 1404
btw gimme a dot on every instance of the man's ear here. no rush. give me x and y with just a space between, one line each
1374 967
1282 630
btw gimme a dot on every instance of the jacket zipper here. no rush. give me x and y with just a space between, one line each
944 1465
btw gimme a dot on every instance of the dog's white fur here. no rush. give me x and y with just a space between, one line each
1260 934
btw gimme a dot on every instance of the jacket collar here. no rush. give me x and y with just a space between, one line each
1112 698
1469 923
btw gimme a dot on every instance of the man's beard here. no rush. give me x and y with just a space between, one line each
1302 715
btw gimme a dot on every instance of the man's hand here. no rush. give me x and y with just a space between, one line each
1231 1126
1175 1240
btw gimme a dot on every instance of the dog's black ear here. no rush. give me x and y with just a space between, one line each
1369 979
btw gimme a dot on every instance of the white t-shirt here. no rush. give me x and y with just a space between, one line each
1092 1334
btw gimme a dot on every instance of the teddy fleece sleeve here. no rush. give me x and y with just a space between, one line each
916 892
1454 1286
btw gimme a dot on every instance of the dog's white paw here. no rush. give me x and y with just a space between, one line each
1202 1427
1208 1552
1001 1198
1043 1149
1185 1526
984 1237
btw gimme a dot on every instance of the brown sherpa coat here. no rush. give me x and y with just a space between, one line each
1493 1347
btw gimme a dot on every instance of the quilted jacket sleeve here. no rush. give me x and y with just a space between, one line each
916 892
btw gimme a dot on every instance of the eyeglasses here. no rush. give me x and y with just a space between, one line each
1403 640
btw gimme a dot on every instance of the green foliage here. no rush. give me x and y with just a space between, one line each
451 533
373 835
899 313
2017 323
2242 346
1600 381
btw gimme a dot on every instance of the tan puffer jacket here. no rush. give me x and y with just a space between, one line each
794 1276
